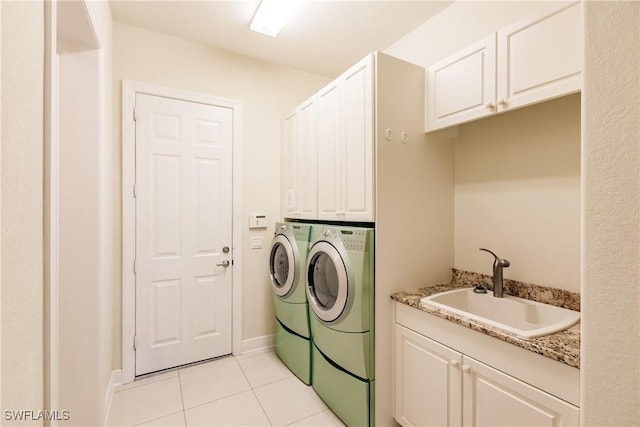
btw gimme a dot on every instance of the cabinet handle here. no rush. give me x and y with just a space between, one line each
454 363
466 369
502 102
491 106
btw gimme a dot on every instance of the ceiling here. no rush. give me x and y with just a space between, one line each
322 36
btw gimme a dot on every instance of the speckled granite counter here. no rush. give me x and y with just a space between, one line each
563 346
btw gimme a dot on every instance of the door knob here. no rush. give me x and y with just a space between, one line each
224 264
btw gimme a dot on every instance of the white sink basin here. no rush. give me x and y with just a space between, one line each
528 319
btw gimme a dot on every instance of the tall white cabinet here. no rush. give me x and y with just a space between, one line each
328 146
374 163
345 146
299 130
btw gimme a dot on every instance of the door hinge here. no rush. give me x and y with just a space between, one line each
135 342
135 194
134 267
135 117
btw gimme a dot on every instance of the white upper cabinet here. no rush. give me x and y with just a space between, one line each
462 87
540 58
531 61
330 148
289 164
300 151
355 187
332 159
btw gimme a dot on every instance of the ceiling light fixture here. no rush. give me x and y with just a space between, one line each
271 16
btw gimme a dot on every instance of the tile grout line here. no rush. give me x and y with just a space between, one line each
308 416
254 392
154 419
219 398
184 411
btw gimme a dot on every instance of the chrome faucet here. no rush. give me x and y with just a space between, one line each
498 265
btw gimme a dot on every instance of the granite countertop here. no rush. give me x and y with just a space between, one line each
563 346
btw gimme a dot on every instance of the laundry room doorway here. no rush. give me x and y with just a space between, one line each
179 199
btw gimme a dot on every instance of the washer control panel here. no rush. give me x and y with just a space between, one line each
354 240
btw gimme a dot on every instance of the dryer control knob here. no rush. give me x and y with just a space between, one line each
327 233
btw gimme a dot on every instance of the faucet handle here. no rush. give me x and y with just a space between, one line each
498 262
487 250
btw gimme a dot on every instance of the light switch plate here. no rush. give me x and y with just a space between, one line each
256 243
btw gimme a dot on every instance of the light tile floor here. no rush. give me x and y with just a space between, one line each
250 390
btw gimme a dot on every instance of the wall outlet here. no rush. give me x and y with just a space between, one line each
256 243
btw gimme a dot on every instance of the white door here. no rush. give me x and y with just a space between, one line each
183 232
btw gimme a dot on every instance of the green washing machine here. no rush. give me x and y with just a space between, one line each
340 290
287 261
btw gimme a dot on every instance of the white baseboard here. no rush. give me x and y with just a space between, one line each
114 380
258 343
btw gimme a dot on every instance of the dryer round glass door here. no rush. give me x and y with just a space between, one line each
282 265
328 282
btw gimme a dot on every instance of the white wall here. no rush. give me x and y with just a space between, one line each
610 354
109 204
79 266
84 110
266 92
517 182
459 25
414 209
1 206
517 193
22 206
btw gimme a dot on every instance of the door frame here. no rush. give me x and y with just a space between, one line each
129 91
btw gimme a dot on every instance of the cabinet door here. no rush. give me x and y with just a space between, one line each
357 183
492 398
306 188
289 170
329 157
428 385
540 58
462 87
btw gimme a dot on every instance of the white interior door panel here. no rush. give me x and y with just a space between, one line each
183 222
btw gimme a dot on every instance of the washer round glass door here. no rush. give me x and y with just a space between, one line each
282 265
327 282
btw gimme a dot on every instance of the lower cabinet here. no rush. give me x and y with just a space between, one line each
436 385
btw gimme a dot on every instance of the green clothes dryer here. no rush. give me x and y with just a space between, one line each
287 261
340 290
